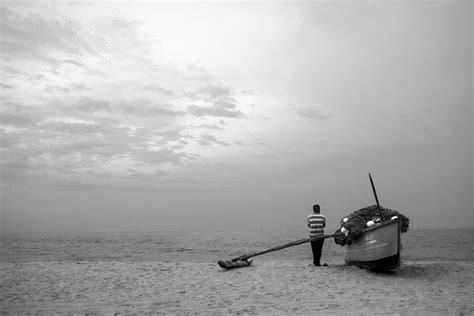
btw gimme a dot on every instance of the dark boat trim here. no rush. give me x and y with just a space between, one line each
384 264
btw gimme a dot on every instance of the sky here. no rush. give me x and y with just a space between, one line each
233 116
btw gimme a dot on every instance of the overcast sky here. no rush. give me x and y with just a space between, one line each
233 116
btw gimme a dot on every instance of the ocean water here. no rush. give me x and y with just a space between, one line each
177 273
200 247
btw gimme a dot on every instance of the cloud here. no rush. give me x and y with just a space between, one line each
92 99
6 86
217 92
216 126
66 127
172 134
145 108
208 140
217 109
159 111
219 102
34 37
71 62
55 140
66 66
68 88
312 114
70 150
49 45
196 73
92 105
158 157
213 111
16 119
158 89
54 88
79 87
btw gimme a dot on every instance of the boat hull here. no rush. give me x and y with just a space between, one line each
377 248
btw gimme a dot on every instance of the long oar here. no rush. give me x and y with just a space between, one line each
242 261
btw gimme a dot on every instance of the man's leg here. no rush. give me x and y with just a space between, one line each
320 244
317 247
316 253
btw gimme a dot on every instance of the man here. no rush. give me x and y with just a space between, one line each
316 224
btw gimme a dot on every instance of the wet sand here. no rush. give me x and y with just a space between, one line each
267 287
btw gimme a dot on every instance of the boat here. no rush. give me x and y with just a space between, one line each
370 237
377 248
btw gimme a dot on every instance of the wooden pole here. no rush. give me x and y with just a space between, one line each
376 198
290 244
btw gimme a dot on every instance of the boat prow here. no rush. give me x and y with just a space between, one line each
377 248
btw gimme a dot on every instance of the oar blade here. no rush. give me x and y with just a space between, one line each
233 264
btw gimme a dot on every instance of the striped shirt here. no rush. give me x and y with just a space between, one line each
316 224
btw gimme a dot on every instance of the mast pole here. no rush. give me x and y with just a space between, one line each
376 198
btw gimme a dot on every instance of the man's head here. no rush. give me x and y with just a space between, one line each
316 208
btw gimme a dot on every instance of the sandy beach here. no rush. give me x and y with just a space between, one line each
143 141
268 287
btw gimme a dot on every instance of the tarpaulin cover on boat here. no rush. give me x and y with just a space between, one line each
353 224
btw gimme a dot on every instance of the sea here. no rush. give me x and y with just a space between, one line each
177 272
187 246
